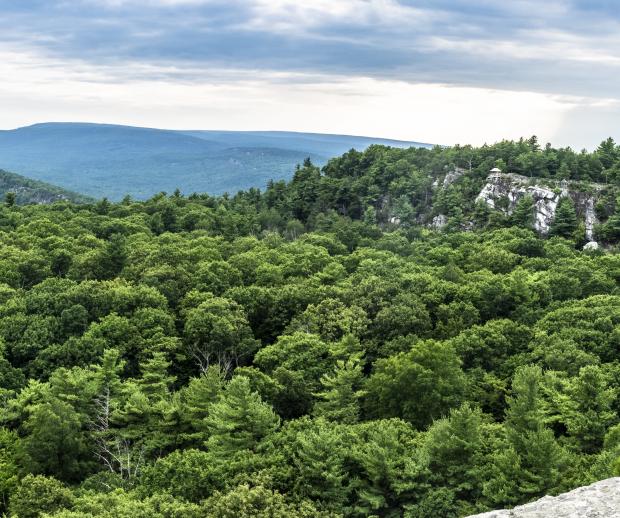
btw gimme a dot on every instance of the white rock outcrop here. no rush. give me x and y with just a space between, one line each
512 187
599 500
439 221
590 218
453 176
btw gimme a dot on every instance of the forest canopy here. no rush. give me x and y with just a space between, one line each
294 353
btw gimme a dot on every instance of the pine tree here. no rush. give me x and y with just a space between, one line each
9 199
611 229
481 214
108 374
523 214
339 400
564 173
155 381
451 446
195 400
239 419
103 206
608 153
370 215
565 221
114 256
529 466
589 409
144 416
9 472
54 442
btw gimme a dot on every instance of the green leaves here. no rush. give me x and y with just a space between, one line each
340 399
38 494
418 386
565 221
217 332
239 419
290 353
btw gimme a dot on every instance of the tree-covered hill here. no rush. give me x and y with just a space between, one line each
111 160
418 186
297 353
28 191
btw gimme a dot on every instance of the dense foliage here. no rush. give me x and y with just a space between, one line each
22 190
285 354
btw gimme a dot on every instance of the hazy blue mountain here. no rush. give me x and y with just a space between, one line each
317 143
32 191
110 160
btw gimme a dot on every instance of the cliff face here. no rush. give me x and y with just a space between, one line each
600 500
503 191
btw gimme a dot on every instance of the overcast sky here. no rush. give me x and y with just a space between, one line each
461 71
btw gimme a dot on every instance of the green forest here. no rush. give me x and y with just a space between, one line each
25 190
293 352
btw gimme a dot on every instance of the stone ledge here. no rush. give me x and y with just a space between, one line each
599 500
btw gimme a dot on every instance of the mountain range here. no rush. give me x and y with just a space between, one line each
113 161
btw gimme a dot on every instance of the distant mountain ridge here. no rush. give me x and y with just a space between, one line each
113 160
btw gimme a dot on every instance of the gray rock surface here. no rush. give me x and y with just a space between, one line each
439 221
510 188
453 176
599 500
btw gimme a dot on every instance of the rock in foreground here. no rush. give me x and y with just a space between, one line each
599 500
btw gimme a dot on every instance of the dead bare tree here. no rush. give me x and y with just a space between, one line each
118 454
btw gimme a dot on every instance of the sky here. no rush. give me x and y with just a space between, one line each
444 72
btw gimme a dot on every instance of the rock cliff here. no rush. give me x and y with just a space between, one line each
599 500
504 190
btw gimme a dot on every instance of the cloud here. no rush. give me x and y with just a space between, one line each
566 51
281 100
476 43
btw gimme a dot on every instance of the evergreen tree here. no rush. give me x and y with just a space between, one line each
339 400
523 214
565 221
108 374
9 199
608 153
564 173
54 443
611 229
239 420
103 206
529 466
144 415
370 215
481 214
155 382
589 411
195 400
452 448
9 472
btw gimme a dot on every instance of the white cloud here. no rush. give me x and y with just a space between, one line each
35 91
295 15
544 45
